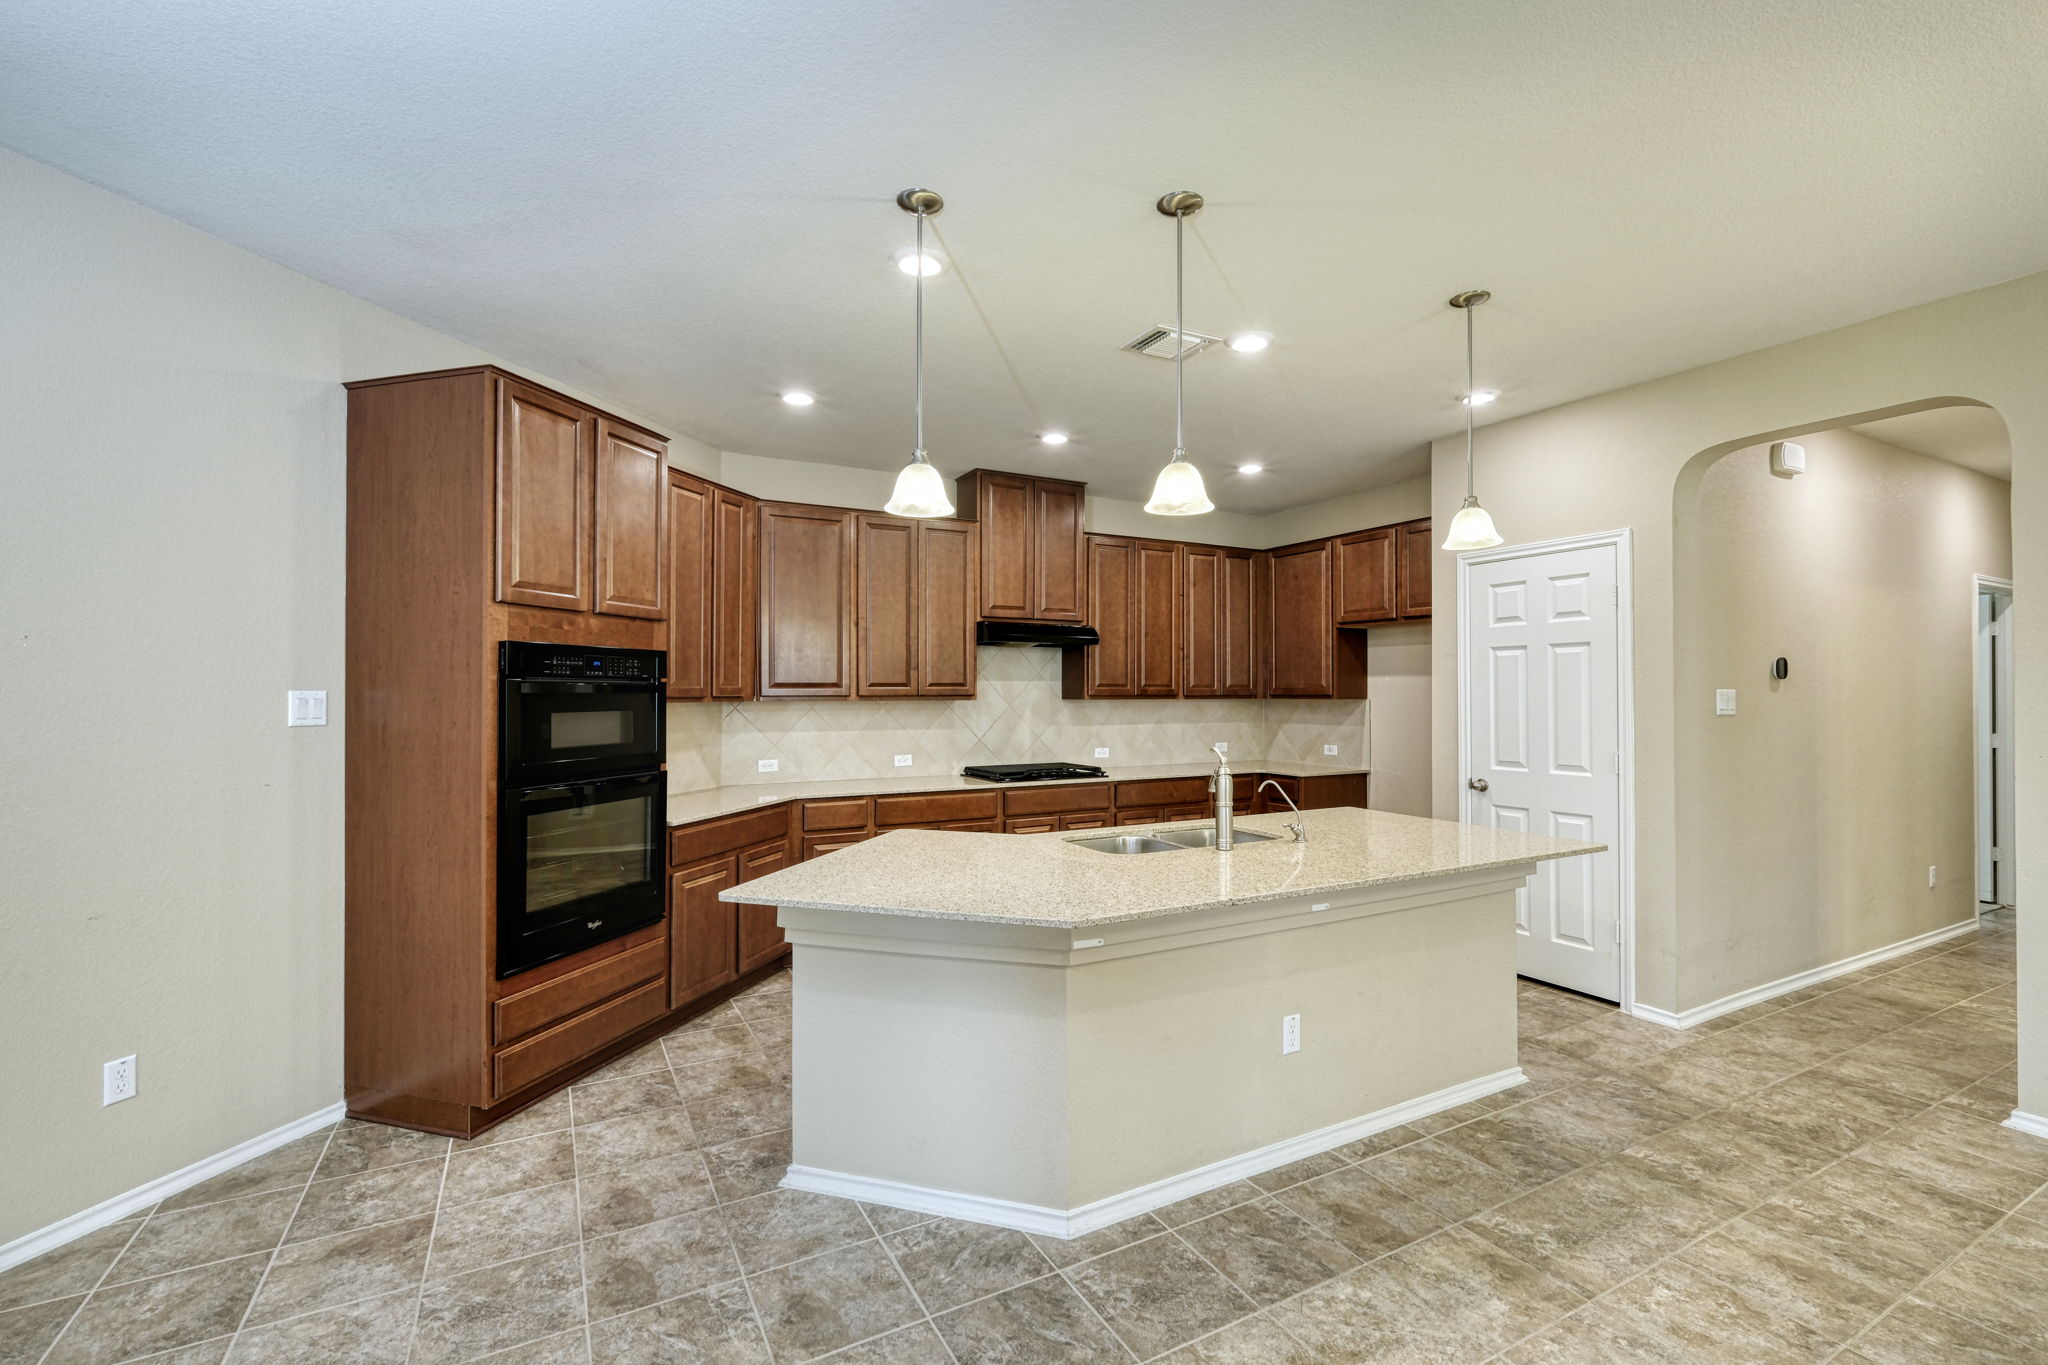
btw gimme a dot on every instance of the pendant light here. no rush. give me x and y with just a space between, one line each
1472 528
920 491
1179 491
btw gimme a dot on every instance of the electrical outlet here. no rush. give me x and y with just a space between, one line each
1318 905
305 708
1724 701
1290 1034
768 765
1329 751
117 1081
1102 753
1220 747
903 760
1930 877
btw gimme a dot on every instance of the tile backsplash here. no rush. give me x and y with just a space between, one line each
1017 716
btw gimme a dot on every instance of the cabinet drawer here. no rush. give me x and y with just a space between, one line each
515 1016
975 826
1094 819
1056 800
522 1064
709 838
1037 824
936 808
849 814
1166 791
818 845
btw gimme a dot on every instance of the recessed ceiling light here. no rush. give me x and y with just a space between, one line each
797 398
1481 397
1054 438
1245 343
1250 467
907 260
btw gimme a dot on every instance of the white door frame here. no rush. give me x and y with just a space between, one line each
1980 584
1625 839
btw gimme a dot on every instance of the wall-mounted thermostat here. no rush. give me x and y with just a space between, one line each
1788 458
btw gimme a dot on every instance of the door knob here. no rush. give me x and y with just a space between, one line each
1477 784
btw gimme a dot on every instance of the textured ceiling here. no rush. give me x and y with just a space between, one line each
686 208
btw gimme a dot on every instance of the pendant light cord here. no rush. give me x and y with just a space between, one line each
917 454
1180 337
1471 407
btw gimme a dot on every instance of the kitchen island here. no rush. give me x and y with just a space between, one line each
1031 1032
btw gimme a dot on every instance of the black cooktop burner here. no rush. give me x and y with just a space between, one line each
1031 772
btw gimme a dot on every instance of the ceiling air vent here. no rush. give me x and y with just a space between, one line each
1157 342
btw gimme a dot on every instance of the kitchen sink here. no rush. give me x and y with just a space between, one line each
1167 841
1128 843
1205 837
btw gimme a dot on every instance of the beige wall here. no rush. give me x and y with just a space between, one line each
1615 460
171 521
1807 821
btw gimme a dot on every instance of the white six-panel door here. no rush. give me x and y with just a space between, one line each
1543 744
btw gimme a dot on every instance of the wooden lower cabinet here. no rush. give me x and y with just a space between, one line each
760 937
1032 824
818 845
702 929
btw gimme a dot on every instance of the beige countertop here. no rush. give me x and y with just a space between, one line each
707 803
1044 879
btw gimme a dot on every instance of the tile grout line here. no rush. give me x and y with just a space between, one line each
412 1337
86 1297
283 1233
1920 1283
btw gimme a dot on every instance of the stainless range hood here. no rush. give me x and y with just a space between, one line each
1034 633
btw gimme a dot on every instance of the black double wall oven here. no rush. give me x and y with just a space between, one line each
582 802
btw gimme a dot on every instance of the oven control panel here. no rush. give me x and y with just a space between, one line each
529 659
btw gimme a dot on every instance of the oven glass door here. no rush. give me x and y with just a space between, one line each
579 863
555 730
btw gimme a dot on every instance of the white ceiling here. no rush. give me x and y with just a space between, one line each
686 208
1967 434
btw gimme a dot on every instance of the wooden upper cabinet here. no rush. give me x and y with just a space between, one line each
632 551
806 598
1307 653
1156 623
1032 562
1417 544
690 506
947 564
1366 576
545 452
1219 632
885 607
1110 668
735 623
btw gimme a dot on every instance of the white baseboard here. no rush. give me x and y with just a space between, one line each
1728 1004
2031 1124
112 1211
1064 1223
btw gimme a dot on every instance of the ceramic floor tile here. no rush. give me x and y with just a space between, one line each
73 1268
1596 1227
949 1262
564 1348
626 1095
1670 1315
211 1232
750 1166
502 1167
1266 1250
25 1333
356 1201
506 1228
370 1332
734 1114
741 1071
1208 1202
1042 1323
1997 1283
1364 1215
703 1045
1731 1154
1444 1177
657 1261
886 1219
1158 1294
542 1116
1294 1172
651 1057
817 1306
633 1138
1929 1152
1389 1139
1917 1333
715 1325
787 1225
1252 1341
659 1187
281 1168
465 1316
1835 1114
148 1316
359 1147
917 1344
1070 1251
342 1268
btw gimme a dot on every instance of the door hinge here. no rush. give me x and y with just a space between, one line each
1616 590
1617 762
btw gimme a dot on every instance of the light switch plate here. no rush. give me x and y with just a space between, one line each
1102 753
305 708
903 760
1220 747
1329 751
1724 701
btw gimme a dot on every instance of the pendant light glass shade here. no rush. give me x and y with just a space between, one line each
1179 492
920 492
920 489
1471 529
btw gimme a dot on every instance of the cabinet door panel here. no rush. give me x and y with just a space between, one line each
544 459
1110 668
702 929
1202 604
1417 542
1157 611
631 551
689 593
806 601
1365 577
1059 574
734 606
1300 623
945 608
885 607
760 937
1003 506
1237 628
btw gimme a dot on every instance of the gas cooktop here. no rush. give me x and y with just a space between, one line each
1030 772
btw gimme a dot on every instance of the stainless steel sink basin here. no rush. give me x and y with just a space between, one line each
1128 843
1166 841
1205 837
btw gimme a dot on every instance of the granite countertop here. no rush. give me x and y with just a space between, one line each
1043 879
706 803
